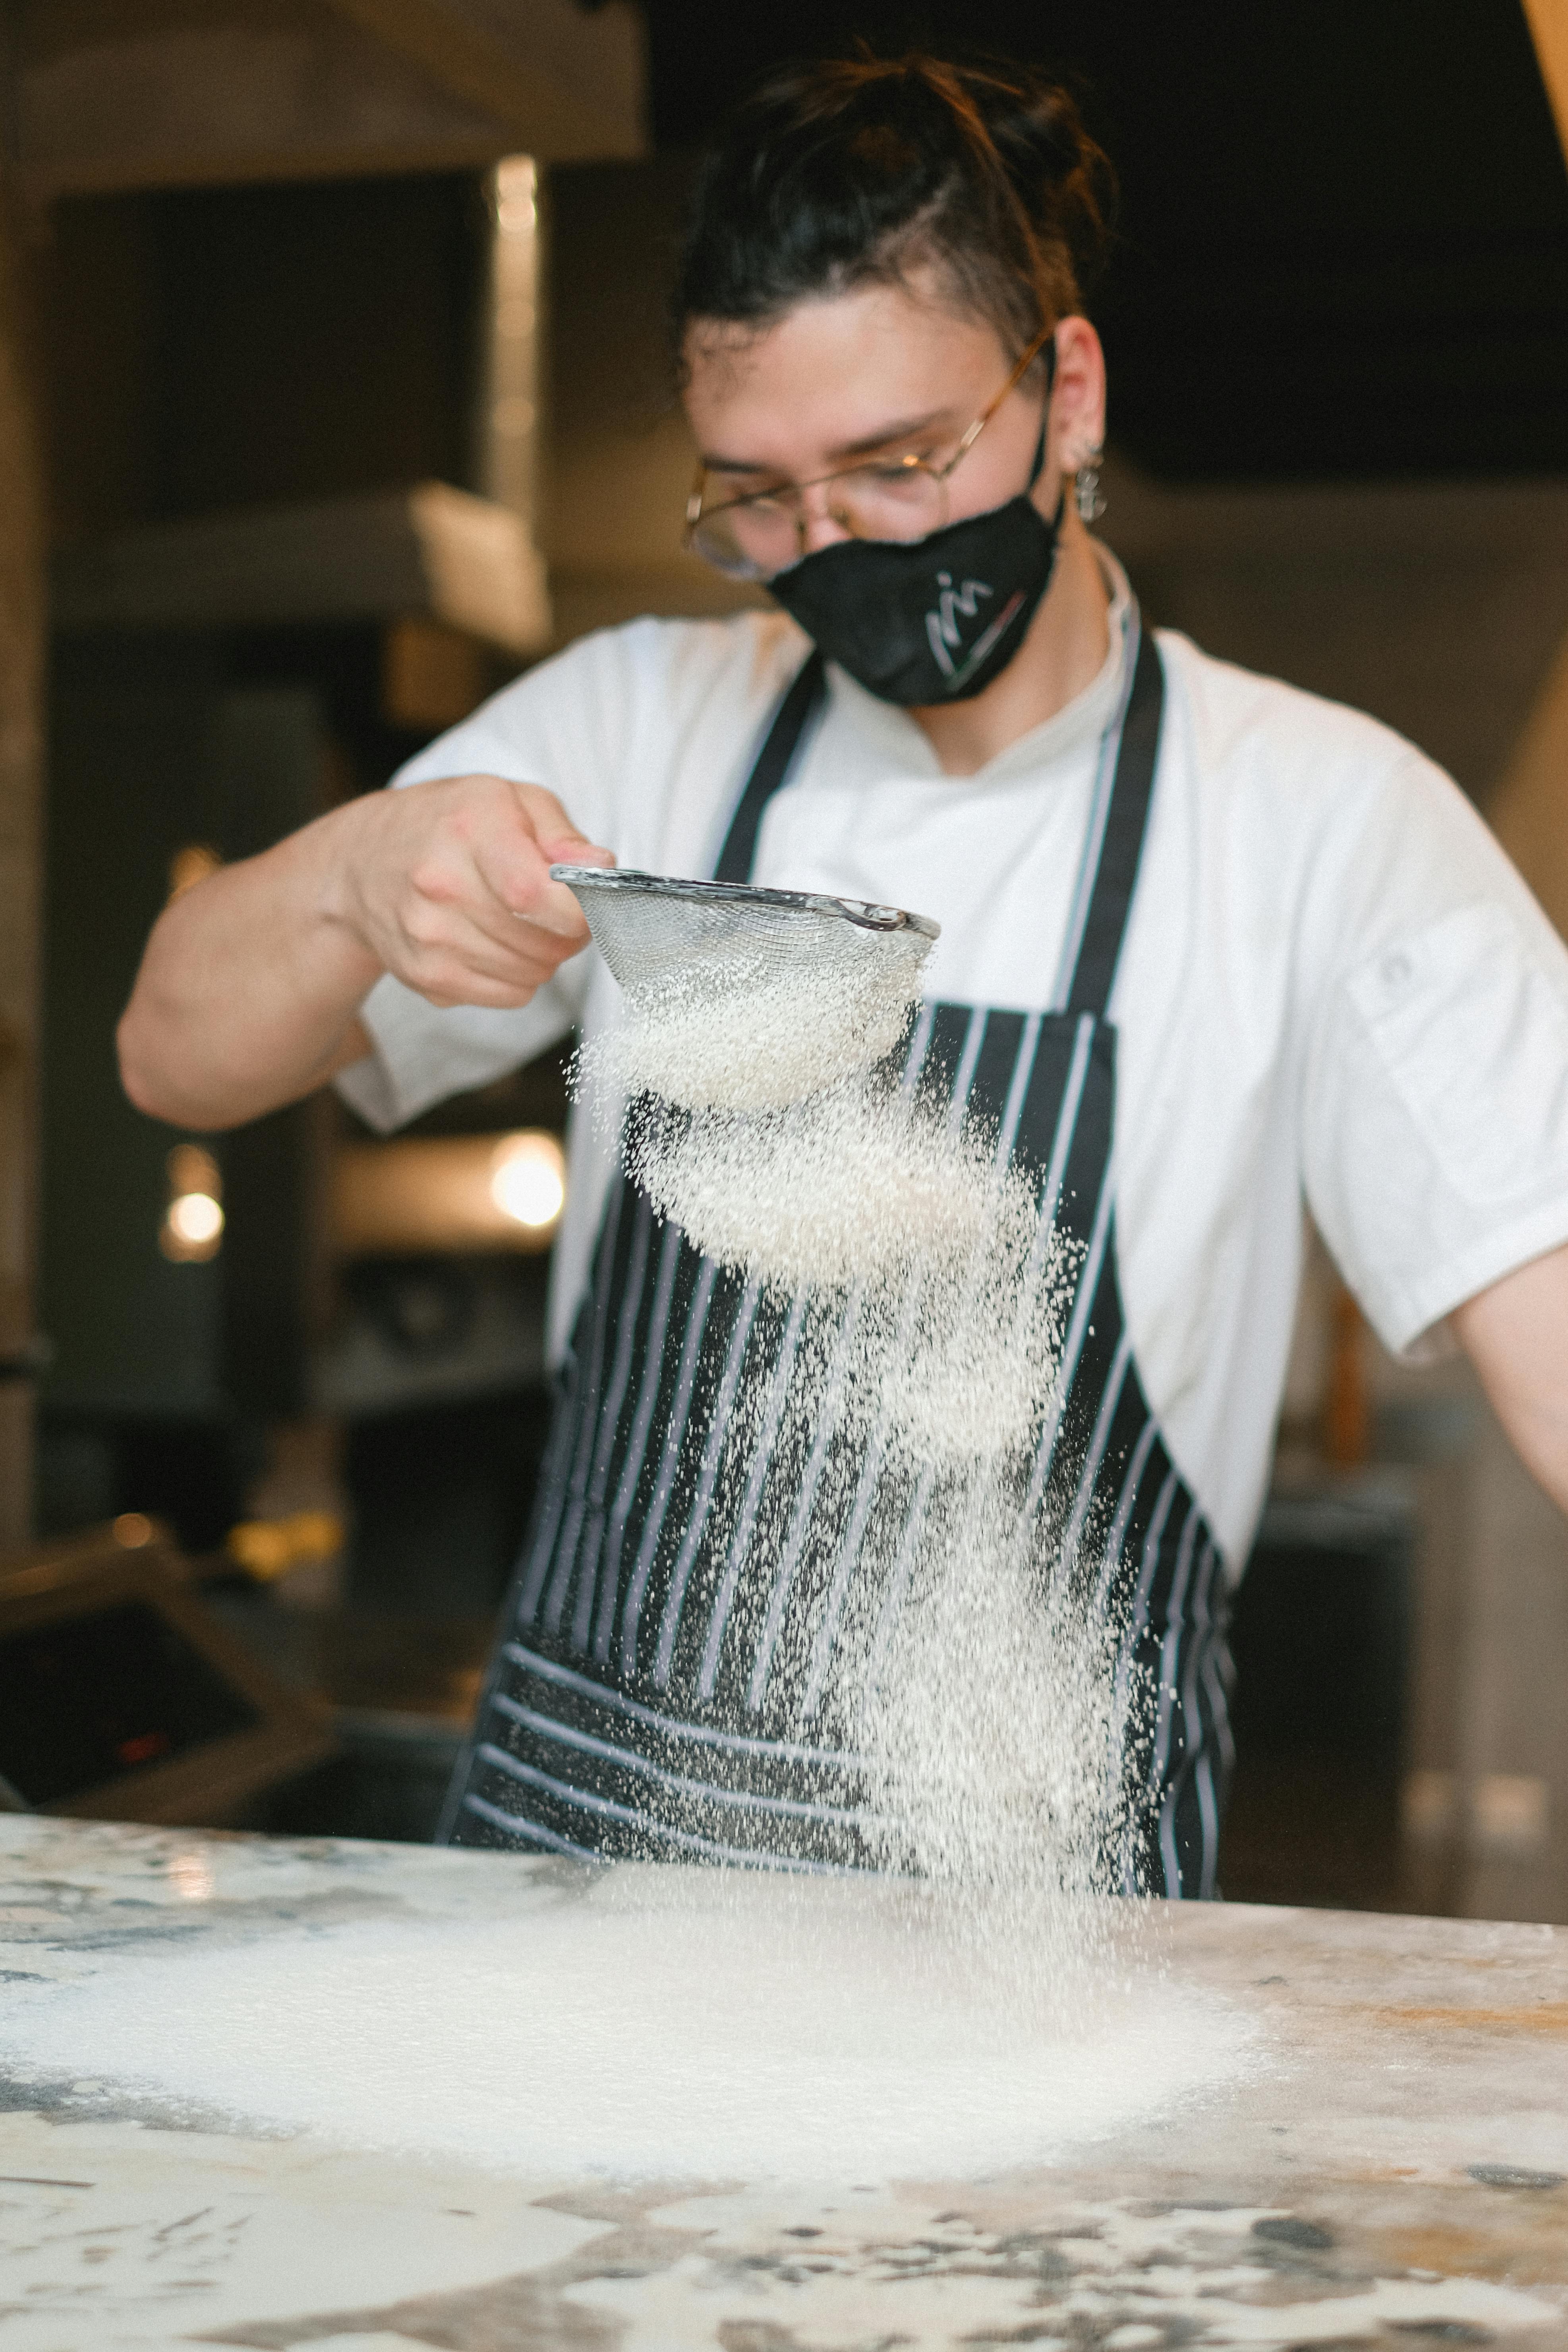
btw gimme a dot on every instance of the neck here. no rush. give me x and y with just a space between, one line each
1063 653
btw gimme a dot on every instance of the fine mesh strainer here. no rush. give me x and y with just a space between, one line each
650 928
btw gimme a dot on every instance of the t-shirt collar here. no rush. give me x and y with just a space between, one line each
1057 738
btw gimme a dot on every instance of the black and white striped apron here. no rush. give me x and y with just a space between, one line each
638 1705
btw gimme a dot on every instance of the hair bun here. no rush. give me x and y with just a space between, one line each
1062 177
857 168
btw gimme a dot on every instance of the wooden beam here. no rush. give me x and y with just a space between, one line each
109 100
1547 22
121 94
570 83
430 549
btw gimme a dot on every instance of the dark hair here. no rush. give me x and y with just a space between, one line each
853 169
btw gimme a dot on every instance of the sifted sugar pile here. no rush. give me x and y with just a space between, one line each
667 2023
967 1648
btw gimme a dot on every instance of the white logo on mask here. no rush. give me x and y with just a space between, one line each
941 626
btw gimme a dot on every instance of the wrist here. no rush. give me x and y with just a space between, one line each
342 846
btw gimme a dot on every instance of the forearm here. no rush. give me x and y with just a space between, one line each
250 992
1515 1335
1539 1434
250 985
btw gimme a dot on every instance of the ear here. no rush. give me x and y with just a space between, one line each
1078 397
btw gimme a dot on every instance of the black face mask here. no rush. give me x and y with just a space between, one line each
933 620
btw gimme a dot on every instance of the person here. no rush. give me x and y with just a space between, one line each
1209 946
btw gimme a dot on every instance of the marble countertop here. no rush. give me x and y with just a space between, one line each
1393 2172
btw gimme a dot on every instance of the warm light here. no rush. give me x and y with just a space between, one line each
192 1170
515 206
269 1547
193 1221
195 1217
427 1194
191 1229
528 1180
190 866
190 1873
132 1529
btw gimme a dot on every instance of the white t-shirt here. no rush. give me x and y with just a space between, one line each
1333 986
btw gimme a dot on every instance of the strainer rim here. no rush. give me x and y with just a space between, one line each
865 913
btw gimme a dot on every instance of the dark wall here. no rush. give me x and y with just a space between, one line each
131 783
223 347
1344 231
212 349
1343 251
154 748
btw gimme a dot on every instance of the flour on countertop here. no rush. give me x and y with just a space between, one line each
664 2023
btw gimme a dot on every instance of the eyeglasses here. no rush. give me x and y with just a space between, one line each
755 537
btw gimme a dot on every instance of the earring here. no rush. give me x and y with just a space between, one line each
1087 491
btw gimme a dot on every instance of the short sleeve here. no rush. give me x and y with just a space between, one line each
1436 1110
425 1052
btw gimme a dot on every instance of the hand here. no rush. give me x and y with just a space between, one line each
447 886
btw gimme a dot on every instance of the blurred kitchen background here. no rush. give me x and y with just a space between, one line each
334 393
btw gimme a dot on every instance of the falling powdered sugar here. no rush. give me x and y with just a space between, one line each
762 1115
968 1647
748 1187
727 1033
904 1597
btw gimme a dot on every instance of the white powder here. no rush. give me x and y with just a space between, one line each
846 1184
975 1662
669 2023
861 1189
993 2009
989 1697
996 1730
754 1032
765 1120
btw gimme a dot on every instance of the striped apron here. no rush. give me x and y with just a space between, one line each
637 1706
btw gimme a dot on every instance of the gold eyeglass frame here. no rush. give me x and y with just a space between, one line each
696 512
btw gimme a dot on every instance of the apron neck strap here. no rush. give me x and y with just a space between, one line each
803 698
1121 844
1121 841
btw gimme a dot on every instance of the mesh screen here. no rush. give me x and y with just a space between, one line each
648 926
